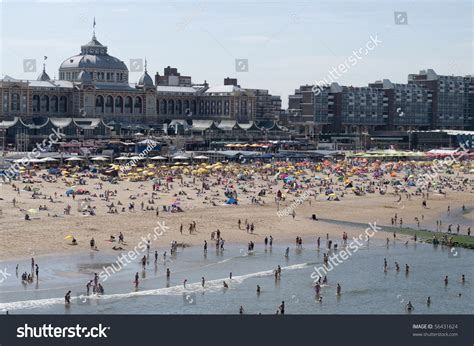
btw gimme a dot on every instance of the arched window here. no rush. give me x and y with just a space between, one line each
36 103
119 104
109 104
99 104
164 106
213 107
54 104
128 105
44 104
208 107
137 105
63 104
15 102
171 107
179 107
219 107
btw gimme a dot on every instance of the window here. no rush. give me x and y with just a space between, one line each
36 103
137 105
99 104
128 105
63 104
15 102
54 104
119 104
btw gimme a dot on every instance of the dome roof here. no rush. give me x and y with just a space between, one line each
94 61
146 80
43 76
93 56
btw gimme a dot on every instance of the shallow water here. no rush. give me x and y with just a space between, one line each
366 289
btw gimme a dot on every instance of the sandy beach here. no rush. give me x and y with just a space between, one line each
44 233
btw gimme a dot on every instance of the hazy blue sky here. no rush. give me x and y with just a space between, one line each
287 43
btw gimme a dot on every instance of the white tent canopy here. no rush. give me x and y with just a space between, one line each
180 157
74 159
201 157
158 158
99 158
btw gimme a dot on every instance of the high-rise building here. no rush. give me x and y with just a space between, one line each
449 98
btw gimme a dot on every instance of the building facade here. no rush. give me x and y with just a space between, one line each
95 85
427 101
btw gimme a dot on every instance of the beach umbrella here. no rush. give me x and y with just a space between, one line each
201 157
32 211
180 157
158 158
122 158
68 237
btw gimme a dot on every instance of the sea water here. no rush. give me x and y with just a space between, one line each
366 288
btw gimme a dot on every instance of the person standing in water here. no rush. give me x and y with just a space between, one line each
446 280
136 280
203 281
67 298
168 273
282 308
258 289
205 246
428 301
338 290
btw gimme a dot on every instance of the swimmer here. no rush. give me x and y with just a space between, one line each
409 306
258 289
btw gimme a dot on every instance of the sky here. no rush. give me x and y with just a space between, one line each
286 43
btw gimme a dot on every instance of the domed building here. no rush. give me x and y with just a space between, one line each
93 89
95 60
